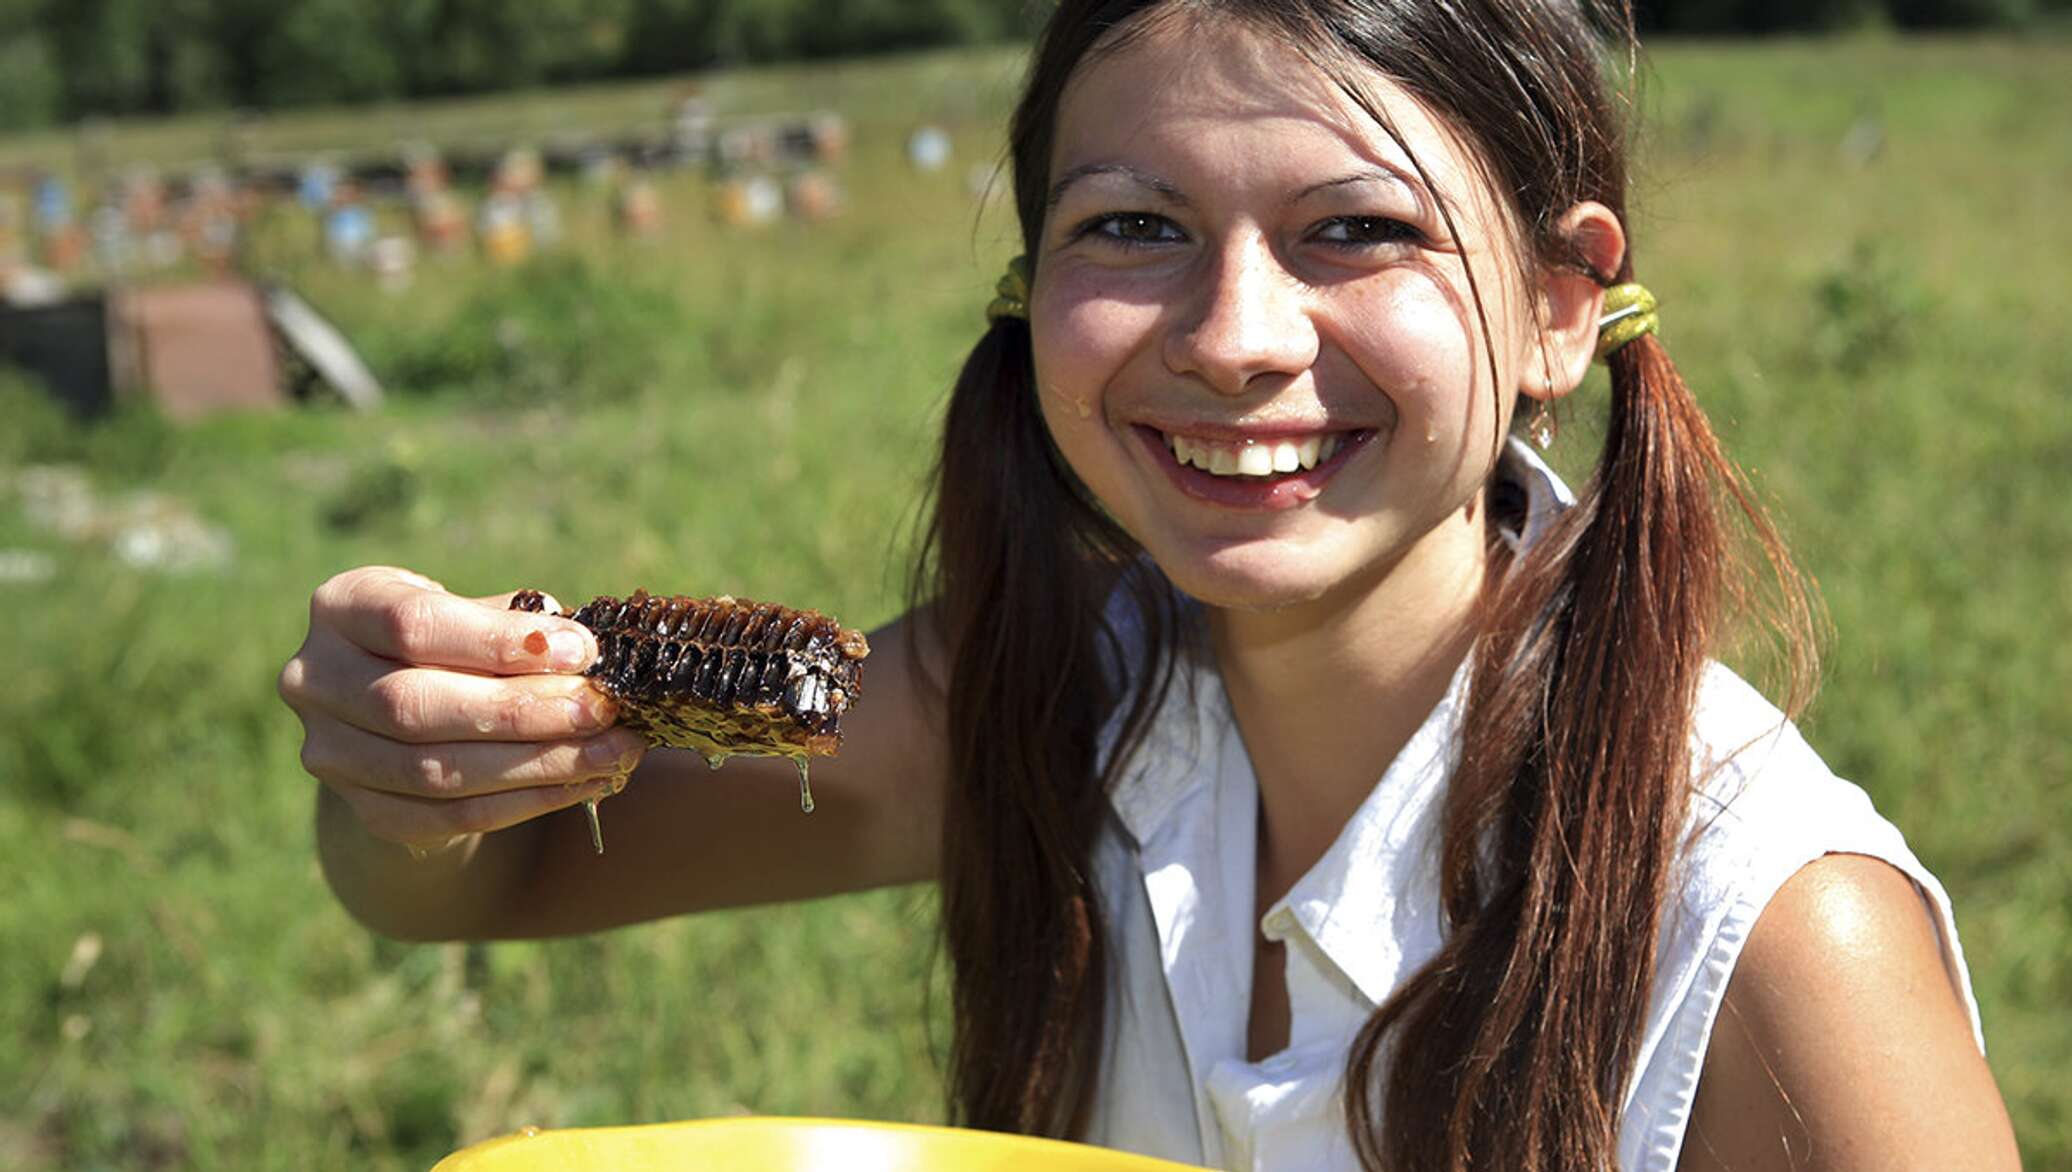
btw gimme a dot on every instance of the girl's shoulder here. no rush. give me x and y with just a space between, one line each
1764 805
1763 802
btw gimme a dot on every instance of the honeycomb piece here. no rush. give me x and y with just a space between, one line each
723 676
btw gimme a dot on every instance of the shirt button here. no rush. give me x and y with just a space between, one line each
1278 922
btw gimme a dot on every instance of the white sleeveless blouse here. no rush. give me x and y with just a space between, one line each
1175 869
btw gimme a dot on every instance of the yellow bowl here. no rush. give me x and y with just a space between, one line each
788 1145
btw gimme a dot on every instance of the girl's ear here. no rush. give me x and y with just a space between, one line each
1572 297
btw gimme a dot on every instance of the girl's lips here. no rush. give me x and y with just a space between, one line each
1246 493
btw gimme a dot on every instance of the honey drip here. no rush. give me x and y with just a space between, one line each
805 786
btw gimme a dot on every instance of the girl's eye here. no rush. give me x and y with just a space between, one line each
1364 231
1134 228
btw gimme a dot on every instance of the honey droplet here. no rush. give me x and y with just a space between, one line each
596 827
805 786
1081 405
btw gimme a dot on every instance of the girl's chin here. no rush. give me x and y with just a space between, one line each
1249 579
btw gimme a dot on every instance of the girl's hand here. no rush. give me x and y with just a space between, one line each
436 717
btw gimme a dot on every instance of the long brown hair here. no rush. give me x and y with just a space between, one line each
1562 822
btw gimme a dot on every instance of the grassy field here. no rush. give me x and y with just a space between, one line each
752 411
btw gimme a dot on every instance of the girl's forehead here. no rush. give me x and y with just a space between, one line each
1184 83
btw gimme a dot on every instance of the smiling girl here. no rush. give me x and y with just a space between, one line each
1313 779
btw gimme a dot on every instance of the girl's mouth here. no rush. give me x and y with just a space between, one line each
1253 472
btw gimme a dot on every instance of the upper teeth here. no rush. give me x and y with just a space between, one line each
1253 457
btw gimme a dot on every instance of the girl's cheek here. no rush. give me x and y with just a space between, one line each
1092 319
1061 385
1081 350
1415 347
1069 403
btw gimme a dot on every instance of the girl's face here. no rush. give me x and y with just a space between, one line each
1254 336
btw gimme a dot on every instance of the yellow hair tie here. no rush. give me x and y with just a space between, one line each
1629 312
1011 293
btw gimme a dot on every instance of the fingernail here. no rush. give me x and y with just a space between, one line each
590 711
603 753
568 650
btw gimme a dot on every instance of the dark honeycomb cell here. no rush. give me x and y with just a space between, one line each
721 675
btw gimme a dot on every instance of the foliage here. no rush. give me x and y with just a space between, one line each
62 60
31 91
1777 16
557 328
67 59
37 429
1866 311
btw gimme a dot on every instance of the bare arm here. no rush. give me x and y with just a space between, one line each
1842 1043
479 766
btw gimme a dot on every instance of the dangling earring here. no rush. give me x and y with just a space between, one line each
1541 427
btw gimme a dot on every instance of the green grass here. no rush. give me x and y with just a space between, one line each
752 411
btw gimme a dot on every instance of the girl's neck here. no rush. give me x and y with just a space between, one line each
1327 693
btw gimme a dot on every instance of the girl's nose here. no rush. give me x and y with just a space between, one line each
1246 319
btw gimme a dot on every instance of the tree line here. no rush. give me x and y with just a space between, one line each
62 60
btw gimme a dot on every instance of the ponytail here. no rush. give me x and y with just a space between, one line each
1562 823
1015 573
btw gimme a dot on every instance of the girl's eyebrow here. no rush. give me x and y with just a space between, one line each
1165 189
1142 178
1385 175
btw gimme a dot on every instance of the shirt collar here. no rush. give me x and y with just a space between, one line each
1176 753
1371 903
1547 496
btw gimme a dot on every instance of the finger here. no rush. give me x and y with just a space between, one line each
420 705
349 758
426 823
412 576
396 617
